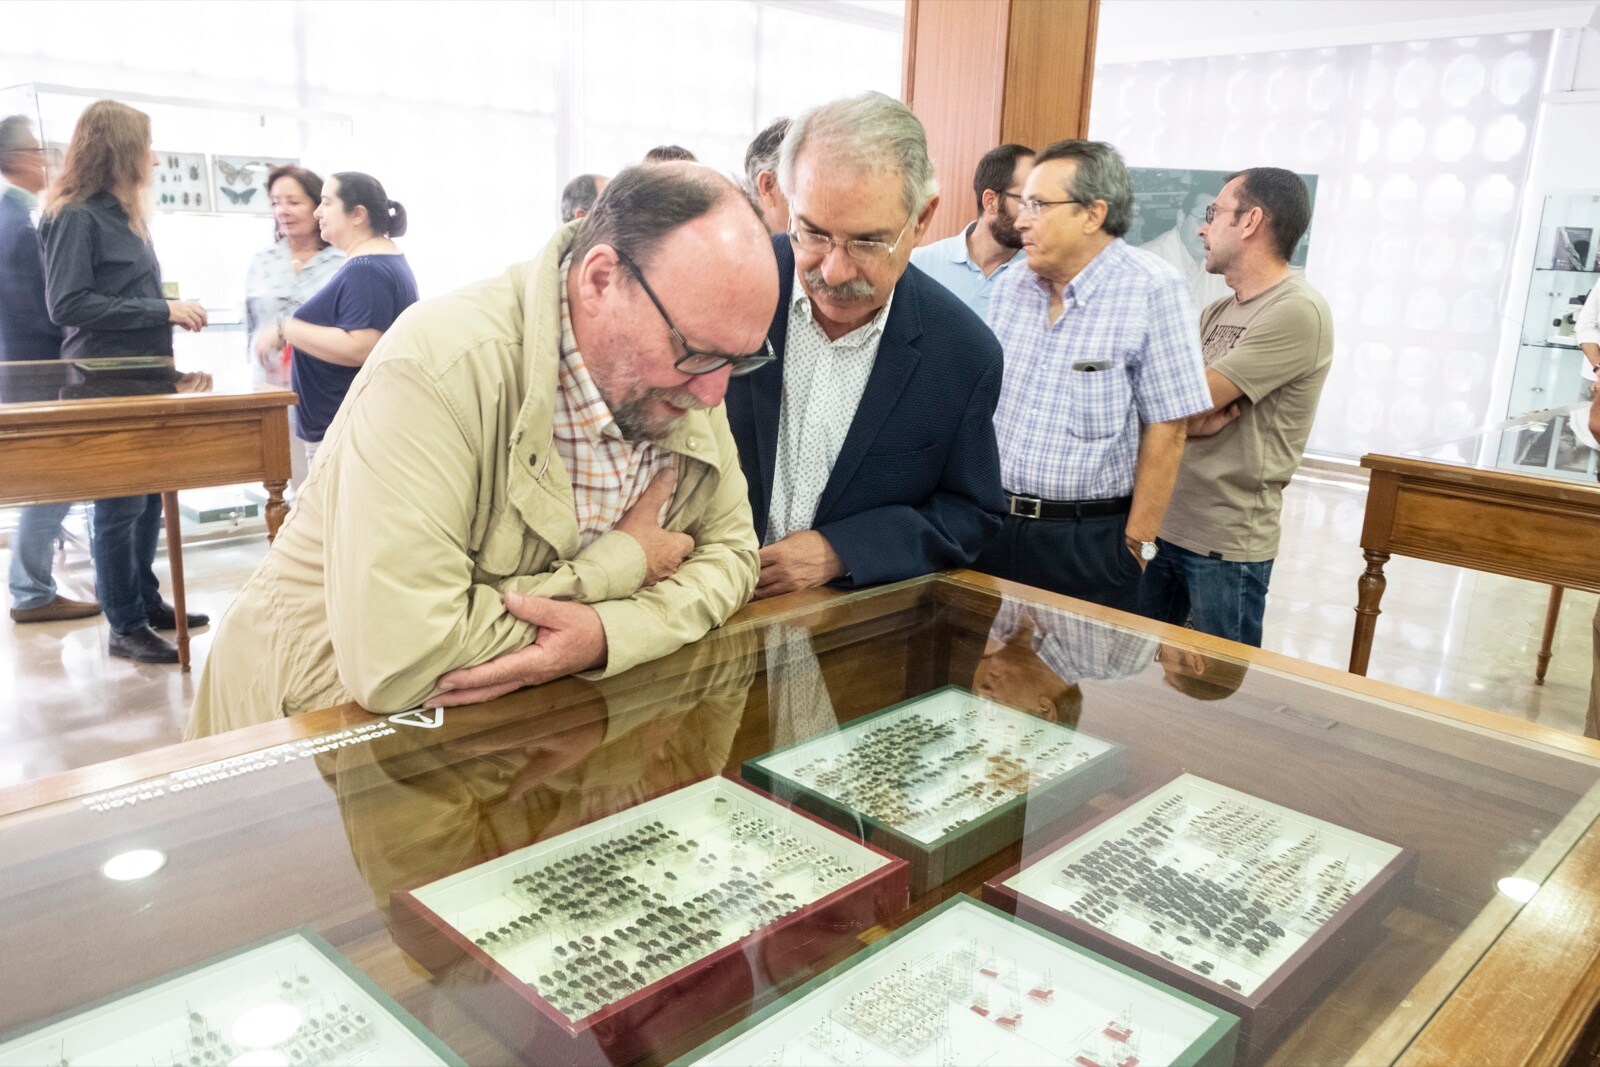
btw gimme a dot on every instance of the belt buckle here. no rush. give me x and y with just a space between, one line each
1026 507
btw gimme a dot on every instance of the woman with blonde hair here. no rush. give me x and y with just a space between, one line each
103 287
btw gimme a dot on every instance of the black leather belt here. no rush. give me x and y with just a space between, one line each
1032 507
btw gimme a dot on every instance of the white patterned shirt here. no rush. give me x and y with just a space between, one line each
822 385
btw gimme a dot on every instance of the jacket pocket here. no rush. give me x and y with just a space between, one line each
1099 402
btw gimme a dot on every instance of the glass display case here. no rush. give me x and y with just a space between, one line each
210 217
1368 851
1555 444
1549 363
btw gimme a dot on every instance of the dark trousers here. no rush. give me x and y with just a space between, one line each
1083 558
1215 596
123 544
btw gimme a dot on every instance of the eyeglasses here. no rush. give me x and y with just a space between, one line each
1030 207
1212 209
694 361
814 243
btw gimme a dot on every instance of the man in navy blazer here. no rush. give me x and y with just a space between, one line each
26 333
869 442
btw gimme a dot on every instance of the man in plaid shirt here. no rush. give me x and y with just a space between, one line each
1102 368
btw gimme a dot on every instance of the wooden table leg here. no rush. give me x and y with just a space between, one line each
276 508
169 508
1552 615
1369 590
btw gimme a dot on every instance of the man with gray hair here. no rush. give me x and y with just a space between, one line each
761 176
869 444
531 477
578 198
1103 370
26 333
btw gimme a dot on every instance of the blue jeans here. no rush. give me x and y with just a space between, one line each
1214 596
123 544
33 545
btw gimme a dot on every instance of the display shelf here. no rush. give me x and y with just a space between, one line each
1564 271
965 983
1246 904
289 1000
944 780
609 924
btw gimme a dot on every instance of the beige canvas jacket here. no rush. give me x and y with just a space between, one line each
437 489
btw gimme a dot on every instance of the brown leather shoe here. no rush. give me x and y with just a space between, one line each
58 610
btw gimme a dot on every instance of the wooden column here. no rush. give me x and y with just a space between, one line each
980 73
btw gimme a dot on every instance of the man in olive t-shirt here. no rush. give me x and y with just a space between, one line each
1267 351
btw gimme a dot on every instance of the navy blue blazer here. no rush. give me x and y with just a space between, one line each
26 331
916 487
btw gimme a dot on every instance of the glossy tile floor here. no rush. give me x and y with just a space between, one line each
1466 636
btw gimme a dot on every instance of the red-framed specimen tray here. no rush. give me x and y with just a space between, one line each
944 780
1245 904
618 937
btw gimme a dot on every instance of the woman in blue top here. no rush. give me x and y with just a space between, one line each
334 331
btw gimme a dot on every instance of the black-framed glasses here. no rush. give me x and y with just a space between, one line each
694 361
1032 207
1212 209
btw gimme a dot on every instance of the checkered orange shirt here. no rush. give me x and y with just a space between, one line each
609 473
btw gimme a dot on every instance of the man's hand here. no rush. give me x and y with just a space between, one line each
186 314
664 551
802 560
1208 424
570 638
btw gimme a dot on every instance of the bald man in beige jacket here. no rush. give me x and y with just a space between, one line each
439 551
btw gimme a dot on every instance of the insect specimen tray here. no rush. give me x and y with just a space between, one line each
292 1000
1246 904
966 983
634 918
944 780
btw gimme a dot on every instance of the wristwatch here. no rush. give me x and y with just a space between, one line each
1145 550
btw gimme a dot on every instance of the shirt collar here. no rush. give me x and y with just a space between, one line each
861 334
1102 266
28 200
960 250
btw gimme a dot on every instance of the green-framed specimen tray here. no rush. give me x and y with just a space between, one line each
291 998
943 780
966 983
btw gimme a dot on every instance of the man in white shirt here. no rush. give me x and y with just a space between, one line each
969 263
869 443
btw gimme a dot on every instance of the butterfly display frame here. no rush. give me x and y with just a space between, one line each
180 183
240 183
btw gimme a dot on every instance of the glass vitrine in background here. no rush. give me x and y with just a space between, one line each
211 216
1549 362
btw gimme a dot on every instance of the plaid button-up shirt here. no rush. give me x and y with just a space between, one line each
1073 434
609 473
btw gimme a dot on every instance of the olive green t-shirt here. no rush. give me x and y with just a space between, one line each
1277 348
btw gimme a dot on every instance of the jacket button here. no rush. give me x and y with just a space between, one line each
533 459
694 442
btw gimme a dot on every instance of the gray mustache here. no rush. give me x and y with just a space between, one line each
856 289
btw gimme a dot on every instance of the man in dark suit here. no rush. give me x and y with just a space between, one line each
26 333
868 444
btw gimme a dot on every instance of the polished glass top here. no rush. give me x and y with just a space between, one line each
1225 852
54 380
1554 443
